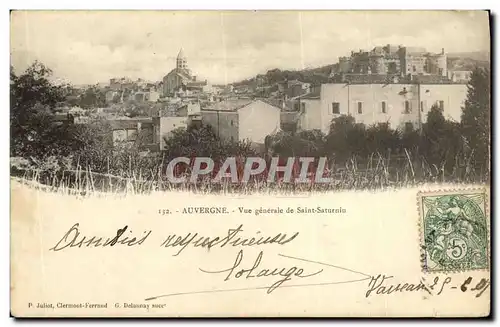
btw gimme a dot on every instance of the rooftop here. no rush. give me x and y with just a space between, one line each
229 105
310 96
130 123
196 83
391 79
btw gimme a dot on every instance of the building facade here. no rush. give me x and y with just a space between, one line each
400 105
127 131
172 118
250 120
164 126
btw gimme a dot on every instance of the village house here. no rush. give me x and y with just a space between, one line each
146 96
174 116
127 131
243 120
308 108
293 88
118 84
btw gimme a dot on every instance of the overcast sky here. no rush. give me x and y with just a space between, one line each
93 46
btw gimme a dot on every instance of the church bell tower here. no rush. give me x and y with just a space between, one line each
181 60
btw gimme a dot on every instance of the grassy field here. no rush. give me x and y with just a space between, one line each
372 174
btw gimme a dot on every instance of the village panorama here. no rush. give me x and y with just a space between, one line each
391 115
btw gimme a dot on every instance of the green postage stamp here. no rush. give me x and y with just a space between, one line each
454 230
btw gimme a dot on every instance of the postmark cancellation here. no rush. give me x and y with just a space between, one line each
454 230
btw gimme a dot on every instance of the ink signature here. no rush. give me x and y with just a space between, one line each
287 273
283 275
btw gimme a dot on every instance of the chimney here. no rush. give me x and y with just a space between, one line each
442 51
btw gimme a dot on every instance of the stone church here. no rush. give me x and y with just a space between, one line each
178 77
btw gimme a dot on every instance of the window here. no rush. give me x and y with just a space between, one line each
441 105
407 107
384 107
297 106
414 68
131 134
232 122
409 126
303 106
335 108
360 107
422 106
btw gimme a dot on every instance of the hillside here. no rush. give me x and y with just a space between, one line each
476 55
313 75
468 60
319 75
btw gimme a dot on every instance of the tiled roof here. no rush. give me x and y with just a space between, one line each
365 78
197 83
229 105
391 79
181 73
273 102
174 110
310 96
128 123
430 79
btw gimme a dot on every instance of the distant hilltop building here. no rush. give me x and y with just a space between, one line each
181 79
392 59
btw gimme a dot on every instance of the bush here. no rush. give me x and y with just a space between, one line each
201 141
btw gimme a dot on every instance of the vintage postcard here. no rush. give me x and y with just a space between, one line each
250 163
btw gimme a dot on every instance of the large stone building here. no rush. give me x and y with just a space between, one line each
392 59
180 79
402 105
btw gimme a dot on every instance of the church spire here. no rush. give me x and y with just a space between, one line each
181 60
181 54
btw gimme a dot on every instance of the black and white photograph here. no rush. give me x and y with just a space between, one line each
385 106
232 163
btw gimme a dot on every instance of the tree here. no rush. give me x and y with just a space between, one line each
32 101
476 117
382 139
201 141
441 141
92 98
346 138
